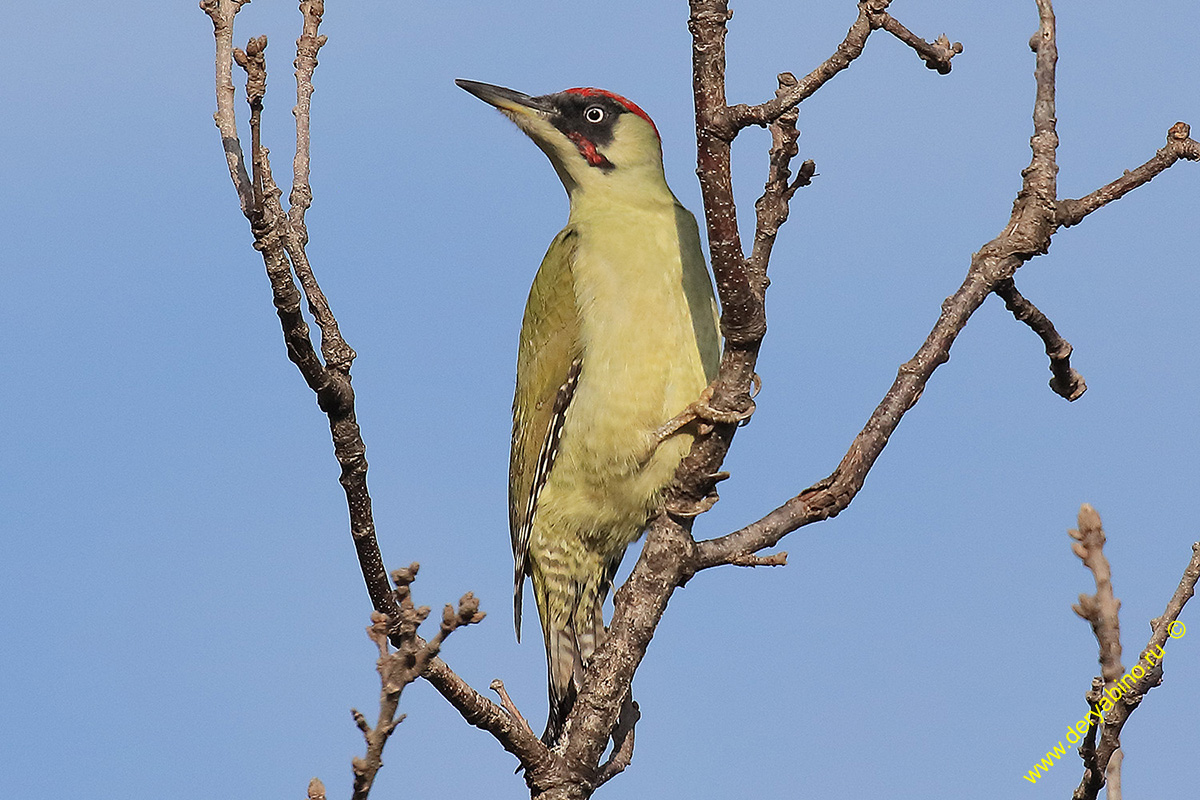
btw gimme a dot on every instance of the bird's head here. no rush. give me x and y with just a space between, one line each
597 140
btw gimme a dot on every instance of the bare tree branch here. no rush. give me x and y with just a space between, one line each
772 208
872 16
1179 145
1066 382
1103 608
668 557
1034 220
1116 694
281 238
1087 750
281 248
403 666
935 54
222 12
1112 776
307 46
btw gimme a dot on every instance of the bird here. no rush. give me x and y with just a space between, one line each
619 343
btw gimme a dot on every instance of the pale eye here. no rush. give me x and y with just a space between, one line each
593 114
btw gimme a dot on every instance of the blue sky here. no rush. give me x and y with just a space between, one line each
182 612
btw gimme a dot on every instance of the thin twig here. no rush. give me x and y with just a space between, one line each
307 46
481 712
1179 146
771 210
1112 775
403 666
774 560
337 354
872 16
222 12
497 686
935 54
1103 608
1066 382
1087 750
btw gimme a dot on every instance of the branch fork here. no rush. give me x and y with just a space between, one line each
1100 749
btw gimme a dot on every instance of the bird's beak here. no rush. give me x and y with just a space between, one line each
509 101
535 116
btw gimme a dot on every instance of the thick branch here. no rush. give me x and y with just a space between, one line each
669 553
637 608
743 321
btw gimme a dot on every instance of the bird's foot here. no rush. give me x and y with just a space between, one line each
706 415
692 507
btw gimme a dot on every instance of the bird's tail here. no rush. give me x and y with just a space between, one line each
573 622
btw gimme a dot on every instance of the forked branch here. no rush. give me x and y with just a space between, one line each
1034 219
872 16
398 668
281 237
1115 694
669 556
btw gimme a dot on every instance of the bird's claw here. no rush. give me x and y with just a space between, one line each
679 507
757 385
715 416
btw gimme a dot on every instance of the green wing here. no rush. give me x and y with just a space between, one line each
548 365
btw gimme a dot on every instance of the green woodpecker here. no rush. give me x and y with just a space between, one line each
620 337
